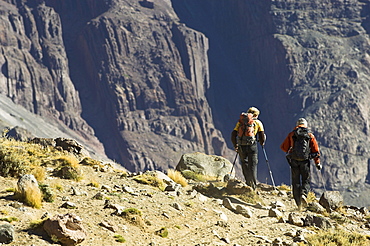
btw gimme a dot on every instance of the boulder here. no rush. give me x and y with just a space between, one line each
27 183
237 187
331 200
69 145
243 210
6 233
66 229
296 219
211 165
19 134
317 221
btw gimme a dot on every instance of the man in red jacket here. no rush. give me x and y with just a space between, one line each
300 146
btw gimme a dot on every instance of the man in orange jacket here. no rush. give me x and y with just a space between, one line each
300 146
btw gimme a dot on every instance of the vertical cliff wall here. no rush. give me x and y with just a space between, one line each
34 66
292 59
127 74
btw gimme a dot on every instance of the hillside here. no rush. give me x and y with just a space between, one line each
195 214
143 82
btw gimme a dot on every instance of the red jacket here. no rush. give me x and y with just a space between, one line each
287 145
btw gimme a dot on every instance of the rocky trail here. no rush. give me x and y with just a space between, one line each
178 216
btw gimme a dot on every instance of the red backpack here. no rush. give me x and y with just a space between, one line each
246 129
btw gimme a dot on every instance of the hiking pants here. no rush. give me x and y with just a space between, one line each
301 178
248 155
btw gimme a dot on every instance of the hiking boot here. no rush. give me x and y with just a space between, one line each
303 201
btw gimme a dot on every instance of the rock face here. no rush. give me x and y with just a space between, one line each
291 60
134 74
145 82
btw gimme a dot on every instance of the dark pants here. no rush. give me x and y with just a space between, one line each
248 155
301 179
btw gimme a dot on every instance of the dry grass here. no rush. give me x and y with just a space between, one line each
311 197
188 174
56 184
67 160
88 161
177 177
68 167
150 180
19 158
250 197
337 237
39 173
284 187
31 195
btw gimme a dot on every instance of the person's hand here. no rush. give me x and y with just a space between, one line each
318 166
236 147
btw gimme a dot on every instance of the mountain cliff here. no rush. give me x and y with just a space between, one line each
144 82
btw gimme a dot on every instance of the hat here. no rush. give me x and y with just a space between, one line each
254 111
301 121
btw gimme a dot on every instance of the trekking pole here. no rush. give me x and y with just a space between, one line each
236 156
227 176
268 165
322 179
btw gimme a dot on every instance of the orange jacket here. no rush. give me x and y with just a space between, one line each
287 145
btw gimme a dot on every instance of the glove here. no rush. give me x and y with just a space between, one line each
318 166
236 147
314 155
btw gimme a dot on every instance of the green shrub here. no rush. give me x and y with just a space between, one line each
47 193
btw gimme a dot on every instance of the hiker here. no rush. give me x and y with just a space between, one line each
244 138
300 147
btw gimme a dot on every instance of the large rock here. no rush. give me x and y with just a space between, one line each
19 134
318 221
66 229
211 165
6 233
331 200
27 183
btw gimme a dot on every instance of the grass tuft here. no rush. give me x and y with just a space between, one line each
177 177
68 167
150 180
188 174
9 219
33 196
120 239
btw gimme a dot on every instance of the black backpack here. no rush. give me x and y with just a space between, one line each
301 146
